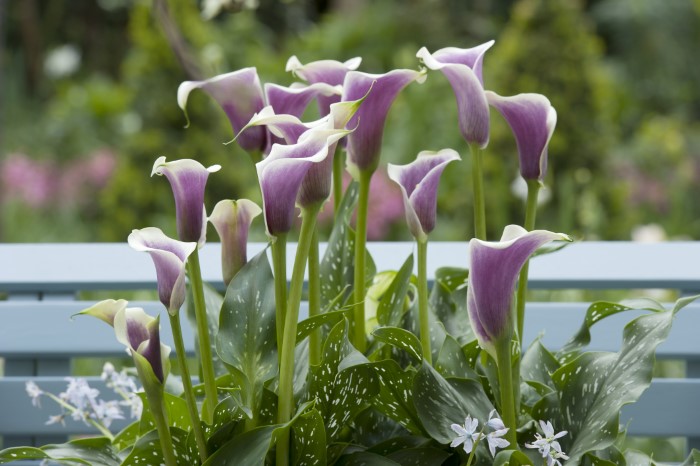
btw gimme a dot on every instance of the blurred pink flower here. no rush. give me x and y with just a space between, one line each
86 174
27 180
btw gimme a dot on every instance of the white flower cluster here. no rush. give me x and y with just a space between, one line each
467 434
81 402
548 445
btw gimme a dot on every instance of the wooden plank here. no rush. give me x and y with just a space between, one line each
584 265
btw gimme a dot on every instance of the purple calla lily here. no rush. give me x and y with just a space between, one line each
240 95
532 119
463 69
283 171
323 71
170 257
232 220
187 178
140 333
293 100
419 182
364 144
493 272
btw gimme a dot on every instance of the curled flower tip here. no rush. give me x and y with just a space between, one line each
188 179
495 267
466 434
532 119
104 310
419 183
463 69
170 258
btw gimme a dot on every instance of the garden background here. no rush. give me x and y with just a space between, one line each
88 103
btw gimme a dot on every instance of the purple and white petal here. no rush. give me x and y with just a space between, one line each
463 69
169 257
232 220
240 95
364 144
293 100
323 71
532 119
131 327
188 179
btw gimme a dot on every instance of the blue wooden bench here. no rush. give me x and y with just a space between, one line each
39 342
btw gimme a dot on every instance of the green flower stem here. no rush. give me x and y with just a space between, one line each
337 179
505 381
279 264
476 444
286 388
206 359
72 409
187 385
533 188
478 186
359 338
156 404
314 300
423 300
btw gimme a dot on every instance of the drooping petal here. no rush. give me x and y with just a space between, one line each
323 71
532 119
282 172
463 69
169 257
493 273
287 127
293 100
364 144
419 182
232 220
188 179
105 310
240 95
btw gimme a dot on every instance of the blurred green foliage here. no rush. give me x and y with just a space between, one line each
620 73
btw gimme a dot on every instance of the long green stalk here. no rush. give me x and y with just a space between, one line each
200 312
423 300
505 382
156 404
533 188
337 179
314 299
279 264
358 337
286 382
478 187
187 385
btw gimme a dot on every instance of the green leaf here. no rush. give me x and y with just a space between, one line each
147 449
511 458
306 326
426 456
212 303
227 415
392 303
402 339
365 458
538 364
247 340
89 451
309 440
175 410
448 300
395 398
127 436
452 362
595 386
395 444
693 459
441 402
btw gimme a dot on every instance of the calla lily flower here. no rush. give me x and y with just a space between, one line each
283 171
419 182
532 119
463 69
232 220
323 71
170 257
140 333
294 99
187 178
364 144
492 276
240 95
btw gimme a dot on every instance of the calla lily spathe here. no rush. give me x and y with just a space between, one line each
463 69
232 220
282 172
493 272
364 144
294 99
140 333
170 259
240 95
188 178
532 119
330 72
419 182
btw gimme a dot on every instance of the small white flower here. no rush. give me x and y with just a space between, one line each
495 422
56 419
108 411
495 441
548 445
466 434
34 393
554 457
